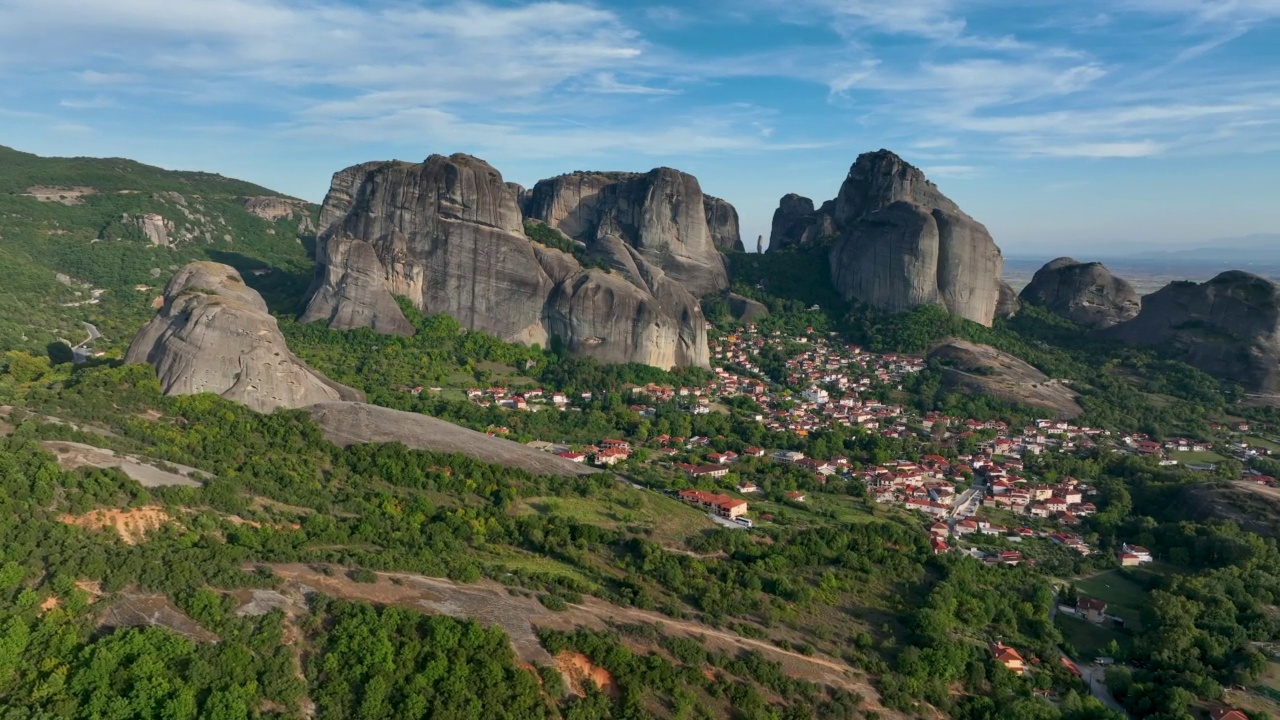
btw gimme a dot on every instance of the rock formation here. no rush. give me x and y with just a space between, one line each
1086 293
656 221
272 208
901 242
347 423
983 369
1008 305
214 334
1228 327
154 226
722 223
796 222
448 234
744 309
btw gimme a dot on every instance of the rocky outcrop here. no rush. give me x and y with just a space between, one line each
448 234
656 221
722 223
1228 327
154 227
347 423
983 369
796 222
901 242
272 208
1008 304
1086 293
214 334
353 289
744 309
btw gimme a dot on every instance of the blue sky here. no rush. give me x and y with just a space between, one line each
1064 125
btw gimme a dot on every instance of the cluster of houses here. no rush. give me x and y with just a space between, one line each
534 399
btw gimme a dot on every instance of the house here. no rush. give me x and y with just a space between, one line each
612 444
714 471
722 505
1009 658
1143 554
610 456
1009 557
938 545
754 452
1092 609
788 456
927 506
748 487
1128 559
1224 713
939 529
795 496
573 456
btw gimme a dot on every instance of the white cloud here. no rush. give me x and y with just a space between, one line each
1135 149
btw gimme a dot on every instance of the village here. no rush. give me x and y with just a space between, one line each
825 383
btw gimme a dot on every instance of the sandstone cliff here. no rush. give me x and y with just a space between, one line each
657 219
214 334
1009 304
722 223
1086 293
1228 327
448 234
900 242
983 369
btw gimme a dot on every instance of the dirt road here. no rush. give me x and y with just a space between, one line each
520 617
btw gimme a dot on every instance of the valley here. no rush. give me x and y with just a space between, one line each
291 487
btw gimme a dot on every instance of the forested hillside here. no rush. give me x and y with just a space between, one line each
95 240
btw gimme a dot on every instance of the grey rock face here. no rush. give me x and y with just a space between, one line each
353 290
796 221
659 217
448 234
722 223
1228 327
1008 305
1086 293
744 309
214 334
901 242
983 369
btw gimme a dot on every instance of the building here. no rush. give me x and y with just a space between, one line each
573 456
1009 658
722 505
748 487
1224 713
1143 554
795 496
611 456
1092 609
714 471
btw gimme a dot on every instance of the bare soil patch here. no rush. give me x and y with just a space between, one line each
64 195
578 670
132 525
72 455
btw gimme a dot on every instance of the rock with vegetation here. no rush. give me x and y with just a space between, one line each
900 243
1085 293
984 369
449 235
214 334
744 309
722 223
1229 327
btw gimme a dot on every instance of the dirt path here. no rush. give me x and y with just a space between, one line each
520 617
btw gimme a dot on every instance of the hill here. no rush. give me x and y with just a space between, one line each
95 240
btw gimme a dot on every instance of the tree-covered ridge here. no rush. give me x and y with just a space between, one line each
87 229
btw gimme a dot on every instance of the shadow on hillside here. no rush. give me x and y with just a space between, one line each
283 289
